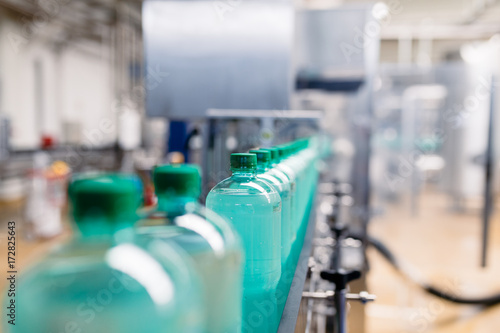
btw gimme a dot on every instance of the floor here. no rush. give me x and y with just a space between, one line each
443 247
27 251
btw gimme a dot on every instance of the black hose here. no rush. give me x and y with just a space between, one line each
485 301
389 256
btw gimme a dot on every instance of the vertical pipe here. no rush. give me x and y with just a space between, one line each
405 48
39 98
340 302
488 200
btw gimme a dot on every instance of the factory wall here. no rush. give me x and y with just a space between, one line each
53 88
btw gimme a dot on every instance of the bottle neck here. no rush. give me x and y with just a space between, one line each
95 229
244 173
261 168
174 203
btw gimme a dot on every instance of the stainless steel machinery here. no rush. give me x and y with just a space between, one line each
234 55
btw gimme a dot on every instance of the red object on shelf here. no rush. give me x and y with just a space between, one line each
47 141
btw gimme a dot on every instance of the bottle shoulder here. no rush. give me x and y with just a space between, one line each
287 170
272 181
243 186
281 178
75 268
280 175
196 227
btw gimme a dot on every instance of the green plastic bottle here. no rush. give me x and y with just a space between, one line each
103 281
298 164
286 179
310 153
283 166
205 236
254 209
303 161
268 175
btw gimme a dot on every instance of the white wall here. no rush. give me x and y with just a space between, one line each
77 87
87 96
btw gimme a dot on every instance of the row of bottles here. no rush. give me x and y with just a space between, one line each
267 200
178 267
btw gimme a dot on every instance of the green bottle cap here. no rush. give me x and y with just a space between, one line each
243 161
177 180
275 155
263 156
283 151
108 198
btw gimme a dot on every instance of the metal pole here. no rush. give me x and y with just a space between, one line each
488 200
340 302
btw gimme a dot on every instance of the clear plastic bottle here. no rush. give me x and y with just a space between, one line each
310 154
299 164
265 173
287 179
283 166
254 209
304 162
205 236
269 175
301 160
105 282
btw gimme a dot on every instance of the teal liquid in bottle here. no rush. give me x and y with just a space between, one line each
300 161
310 154
104 282
209 240
289 182
254 210
265 173
283 166
297 162
283 188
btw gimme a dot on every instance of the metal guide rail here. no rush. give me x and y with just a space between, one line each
291 310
